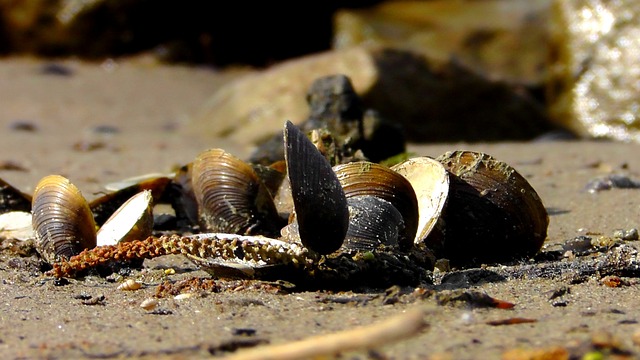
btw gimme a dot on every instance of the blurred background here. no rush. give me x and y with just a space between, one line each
476 70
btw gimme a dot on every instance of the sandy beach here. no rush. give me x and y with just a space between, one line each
98 123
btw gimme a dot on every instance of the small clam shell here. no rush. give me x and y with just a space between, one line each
363 178
231 198
492 214
430 181
12 199
130 285
62 219
132 221
319 201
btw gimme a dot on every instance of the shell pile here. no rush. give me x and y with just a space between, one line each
301 219
358 221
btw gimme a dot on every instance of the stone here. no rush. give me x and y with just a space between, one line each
432 100
594 87
501 40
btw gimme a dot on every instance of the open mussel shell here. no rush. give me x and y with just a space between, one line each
12 199
104 206
364 178
231 197
319 202
492 214
430 182
61 218
132 221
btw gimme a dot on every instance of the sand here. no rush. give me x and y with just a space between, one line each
130 114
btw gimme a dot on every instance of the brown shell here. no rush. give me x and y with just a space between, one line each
231 198
364 178
62 219
492 215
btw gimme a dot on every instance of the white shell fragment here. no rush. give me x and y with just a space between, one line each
132 221
16 225
129 285
430 181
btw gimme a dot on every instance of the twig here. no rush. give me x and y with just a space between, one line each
393 329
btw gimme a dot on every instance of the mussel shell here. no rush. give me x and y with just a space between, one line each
12 199
104 206
62 219
231 198
430 181
364 178
492 215
318 198
372 222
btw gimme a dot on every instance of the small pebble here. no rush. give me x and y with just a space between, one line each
23 125
613 181
183 296
149 304
631 234
105 129
56 69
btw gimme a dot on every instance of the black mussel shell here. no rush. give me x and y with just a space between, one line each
373 222
319 201
492 214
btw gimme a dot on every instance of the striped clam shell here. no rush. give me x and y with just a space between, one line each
61 218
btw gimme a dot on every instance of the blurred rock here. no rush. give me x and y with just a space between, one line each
594 88
501 40
257 33
342 130
431 100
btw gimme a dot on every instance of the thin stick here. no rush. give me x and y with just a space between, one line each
393 329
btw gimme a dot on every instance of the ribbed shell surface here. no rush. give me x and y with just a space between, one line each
364 178
230 197
62 219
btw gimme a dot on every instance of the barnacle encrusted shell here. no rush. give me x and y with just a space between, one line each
430 181
319 201
231 198
364 178
62 219
132 221
492 214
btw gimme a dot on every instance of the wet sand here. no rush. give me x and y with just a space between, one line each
130 116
